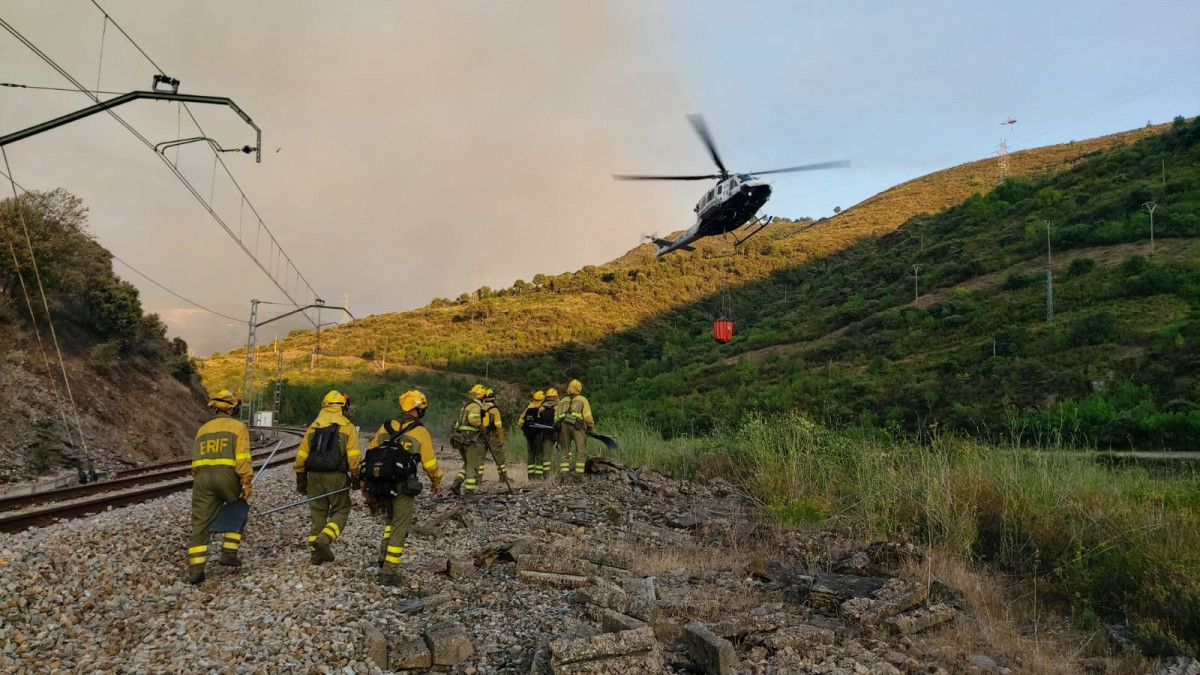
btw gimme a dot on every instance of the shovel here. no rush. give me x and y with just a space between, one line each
608 441
303 501
232 516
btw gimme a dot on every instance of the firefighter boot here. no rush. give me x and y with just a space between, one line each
321 549
195 574
395 580
230 559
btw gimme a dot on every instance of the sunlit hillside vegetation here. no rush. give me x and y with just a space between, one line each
528 316
825 315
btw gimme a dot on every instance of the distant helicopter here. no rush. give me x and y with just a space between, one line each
1011 120
732 203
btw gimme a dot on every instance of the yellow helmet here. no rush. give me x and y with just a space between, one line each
413 399
574 387
489 394
551 393
477 391
335 397
224 401
539 396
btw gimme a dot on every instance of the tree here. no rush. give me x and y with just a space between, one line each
837 209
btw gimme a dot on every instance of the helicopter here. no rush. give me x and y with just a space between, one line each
732 203
1011 120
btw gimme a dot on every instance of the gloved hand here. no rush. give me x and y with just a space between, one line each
302 483
435 482
247 488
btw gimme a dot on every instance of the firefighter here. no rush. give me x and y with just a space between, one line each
221 474
411 436
574 414
467 438
533 437
493 436
327 461
545 417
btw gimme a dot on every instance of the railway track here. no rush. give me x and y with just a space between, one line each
131 487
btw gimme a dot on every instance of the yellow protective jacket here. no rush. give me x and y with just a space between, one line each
414 439
533 405
223 441
573 408
332 414
470 417
492 424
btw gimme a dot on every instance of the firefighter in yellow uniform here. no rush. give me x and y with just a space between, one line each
547 411
574 413
221 474
412 437
493 436
467 438
327 461
533 437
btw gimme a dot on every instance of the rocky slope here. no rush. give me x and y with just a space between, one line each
629 572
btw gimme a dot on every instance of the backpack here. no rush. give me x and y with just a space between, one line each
325 450
530 417
385 467
545 415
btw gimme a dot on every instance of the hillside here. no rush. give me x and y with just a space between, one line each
824 311
138 396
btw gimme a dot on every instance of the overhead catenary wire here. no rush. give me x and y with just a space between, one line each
179 175
45 306
224 166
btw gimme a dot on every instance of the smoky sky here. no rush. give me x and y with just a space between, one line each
411 150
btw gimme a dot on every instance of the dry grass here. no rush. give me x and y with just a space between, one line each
1002 622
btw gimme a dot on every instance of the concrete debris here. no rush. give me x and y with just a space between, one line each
709 652
640 588
460 569
801 637
630 651
614 622
1179 665
893 597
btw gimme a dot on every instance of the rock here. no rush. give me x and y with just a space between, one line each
558 527
411 653
614 622
829 591
592 595
448 643
687 521
376 646
709 652
920 619
512 551
1179 665
983 663
460 569
630 651
642 589
802 637
942 594
893 597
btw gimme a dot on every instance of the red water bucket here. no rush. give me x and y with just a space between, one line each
723 330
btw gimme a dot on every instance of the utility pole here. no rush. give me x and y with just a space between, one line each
1049 279
916 289
1002 162
1150 206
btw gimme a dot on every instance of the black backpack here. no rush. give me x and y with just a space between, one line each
385 467
545 415
325 450
530 417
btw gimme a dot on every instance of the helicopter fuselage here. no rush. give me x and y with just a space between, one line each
726 207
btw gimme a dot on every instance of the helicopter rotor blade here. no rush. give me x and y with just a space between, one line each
701 128
840 164
707 177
